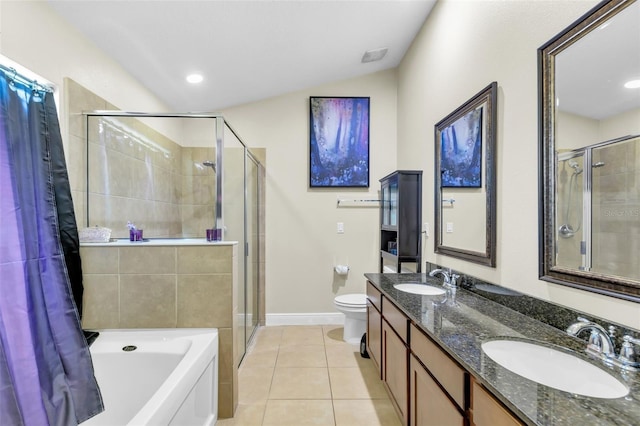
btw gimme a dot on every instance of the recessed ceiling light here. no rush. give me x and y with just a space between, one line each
195 78
632 84
374 55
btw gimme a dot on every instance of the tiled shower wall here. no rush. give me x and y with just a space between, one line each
136 174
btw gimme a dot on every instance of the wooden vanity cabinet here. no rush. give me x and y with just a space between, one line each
374 326
426 385
438 386
485 410
395 354
429 405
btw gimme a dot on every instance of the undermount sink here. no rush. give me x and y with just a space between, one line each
554 368
417 288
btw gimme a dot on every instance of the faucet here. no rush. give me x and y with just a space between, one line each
600 344
600 340
448 278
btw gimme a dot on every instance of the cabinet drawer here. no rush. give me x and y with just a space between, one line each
395 318
374 296
486 411
428 404
443 368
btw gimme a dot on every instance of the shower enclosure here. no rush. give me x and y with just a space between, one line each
174 176
598 207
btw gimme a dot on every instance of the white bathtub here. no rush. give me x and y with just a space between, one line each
170 378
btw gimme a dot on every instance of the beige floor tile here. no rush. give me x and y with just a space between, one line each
260 358
254 384
298 413
267 338
333 334
356 383
246 415
300 383
302 335
302 356
365 412
345 356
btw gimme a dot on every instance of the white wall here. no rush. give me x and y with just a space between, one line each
463 47
302 245
33 35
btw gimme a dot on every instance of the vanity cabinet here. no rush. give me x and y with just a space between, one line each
395 354
426 386
485 410
437 384
374 326
400 216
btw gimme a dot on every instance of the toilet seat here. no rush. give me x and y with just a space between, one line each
351 300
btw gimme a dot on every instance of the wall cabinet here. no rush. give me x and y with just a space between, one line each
400 217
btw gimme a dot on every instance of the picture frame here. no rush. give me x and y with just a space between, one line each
339 142
459 141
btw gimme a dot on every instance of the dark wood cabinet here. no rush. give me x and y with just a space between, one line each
400 217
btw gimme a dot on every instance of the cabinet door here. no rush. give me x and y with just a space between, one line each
429 406
486 411
374 334
394 368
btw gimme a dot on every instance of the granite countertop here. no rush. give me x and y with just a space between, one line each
460 324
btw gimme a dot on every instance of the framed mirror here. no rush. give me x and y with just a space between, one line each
465 180
589 99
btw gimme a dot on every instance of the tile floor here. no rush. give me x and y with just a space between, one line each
307 375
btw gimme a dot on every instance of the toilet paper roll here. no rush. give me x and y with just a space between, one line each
341 269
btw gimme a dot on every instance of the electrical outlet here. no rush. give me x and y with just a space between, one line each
340 228
449 227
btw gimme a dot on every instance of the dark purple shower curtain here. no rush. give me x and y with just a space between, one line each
46 374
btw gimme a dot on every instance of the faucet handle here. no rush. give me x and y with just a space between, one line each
453 279
627 353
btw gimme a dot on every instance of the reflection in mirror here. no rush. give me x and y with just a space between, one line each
590 152
465 202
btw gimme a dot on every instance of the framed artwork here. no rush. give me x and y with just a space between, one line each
338 142
459 137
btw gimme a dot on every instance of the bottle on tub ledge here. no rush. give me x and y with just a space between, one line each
135 234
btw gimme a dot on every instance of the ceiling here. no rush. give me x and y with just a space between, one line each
246 50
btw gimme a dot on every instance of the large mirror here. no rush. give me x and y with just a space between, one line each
465 177
589 79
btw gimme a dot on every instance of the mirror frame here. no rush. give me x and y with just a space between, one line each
488 95
609 285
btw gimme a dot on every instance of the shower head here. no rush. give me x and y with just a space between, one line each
576 168
209 163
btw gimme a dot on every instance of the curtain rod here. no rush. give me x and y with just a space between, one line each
14 75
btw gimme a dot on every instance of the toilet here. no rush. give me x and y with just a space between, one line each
354 308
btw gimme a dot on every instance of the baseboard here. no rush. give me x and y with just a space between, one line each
328 318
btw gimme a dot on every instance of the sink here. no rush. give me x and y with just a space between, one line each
418 288
554 368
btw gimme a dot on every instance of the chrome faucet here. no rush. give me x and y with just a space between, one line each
448 278
600 340
600 343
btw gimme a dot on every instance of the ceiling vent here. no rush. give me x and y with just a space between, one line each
374 55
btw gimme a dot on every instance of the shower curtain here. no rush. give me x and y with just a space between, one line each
46 373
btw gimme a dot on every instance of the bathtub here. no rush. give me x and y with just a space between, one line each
157 377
